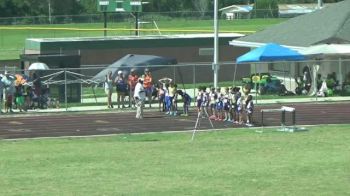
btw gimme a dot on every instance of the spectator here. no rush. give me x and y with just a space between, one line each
109 89
322 92
121 87
347 79
9 85
306 78
28 98
161 97
332 81
1 92
172 99
37 88
148 85
45 97
19 97
165 84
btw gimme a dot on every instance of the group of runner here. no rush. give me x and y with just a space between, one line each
228 105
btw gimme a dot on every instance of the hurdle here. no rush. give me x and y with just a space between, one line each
283 111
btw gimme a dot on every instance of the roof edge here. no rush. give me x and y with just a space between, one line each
259 44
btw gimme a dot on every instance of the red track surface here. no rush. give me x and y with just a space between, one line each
101 123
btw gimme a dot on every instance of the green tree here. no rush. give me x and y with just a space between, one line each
88 6
265 9
7 8
66 7
201 6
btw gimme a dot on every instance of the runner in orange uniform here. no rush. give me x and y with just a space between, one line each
148 85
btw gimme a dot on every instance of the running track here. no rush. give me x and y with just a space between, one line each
32 125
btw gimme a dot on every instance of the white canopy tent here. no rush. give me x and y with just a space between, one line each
324 51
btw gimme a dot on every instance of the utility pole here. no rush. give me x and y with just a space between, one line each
137 23
319 4
215 65
105 23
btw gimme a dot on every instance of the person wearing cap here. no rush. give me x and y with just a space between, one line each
148 85
132 81
109 88
139 97
121 87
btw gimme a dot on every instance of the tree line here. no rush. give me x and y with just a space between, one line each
20 8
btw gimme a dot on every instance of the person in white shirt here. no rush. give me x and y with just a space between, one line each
323 90
109 88
165 83
1 92
249 110
139 96
9 86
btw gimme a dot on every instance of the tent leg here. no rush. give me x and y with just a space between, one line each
93 91
234 75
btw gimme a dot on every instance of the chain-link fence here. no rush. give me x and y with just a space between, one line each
145 16
307 81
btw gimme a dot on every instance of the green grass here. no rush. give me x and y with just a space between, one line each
236 162
12 41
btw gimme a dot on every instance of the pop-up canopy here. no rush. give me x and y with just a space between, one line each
270 52
134 61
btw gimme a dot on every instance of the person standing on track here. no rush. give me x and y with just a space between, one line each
165 85
172 99
132 81
121 87
109 88
139 97
1 93
148 85
249 110
186 102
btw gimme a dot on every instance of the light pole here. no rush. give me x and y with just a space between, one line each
215 65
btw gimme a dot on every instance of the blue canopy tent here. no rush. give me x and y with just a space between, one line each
269 53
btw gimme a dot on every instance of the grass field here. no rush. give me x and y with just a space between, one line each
234 162
12 40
